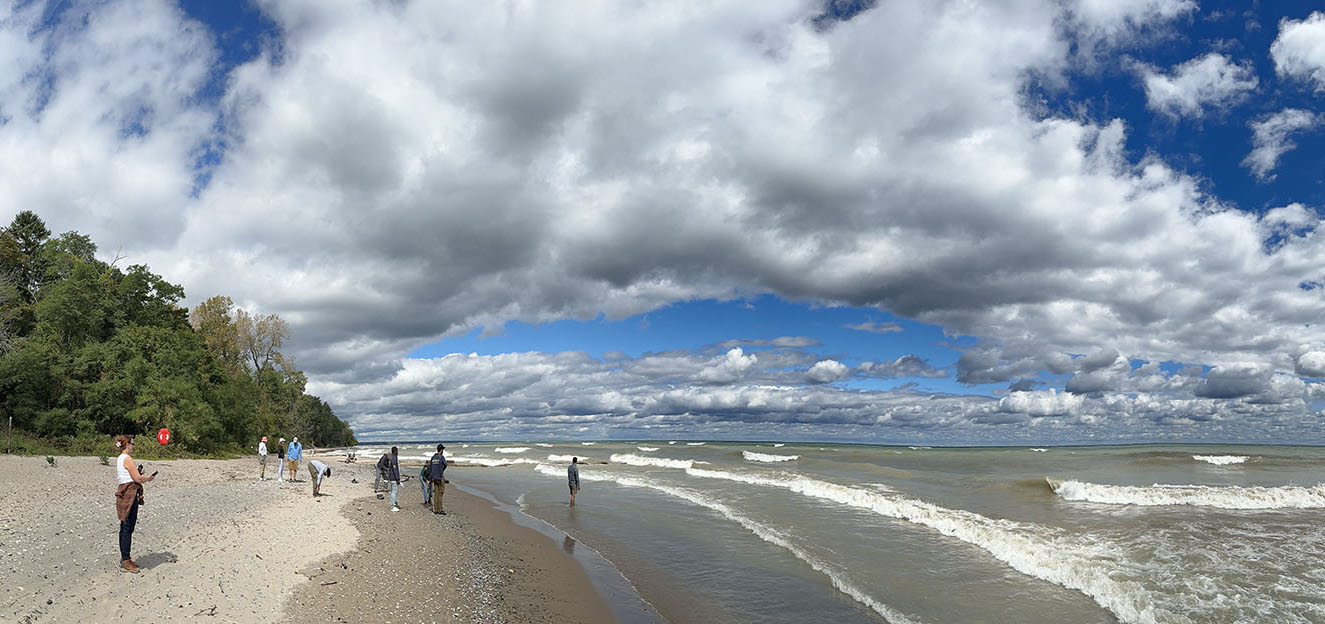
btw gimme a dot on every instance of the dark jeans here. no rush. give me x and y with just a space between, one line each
126 530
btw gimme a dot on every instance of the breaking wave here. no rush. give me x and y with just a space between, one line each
636 460
760 530
1220 496
511 449
1221 460
762 457
647 449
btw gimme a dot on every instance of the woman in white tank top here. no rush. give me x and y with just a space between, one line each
128 494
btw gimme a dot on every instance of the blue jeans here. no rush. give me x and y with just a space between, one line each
426 486
395 487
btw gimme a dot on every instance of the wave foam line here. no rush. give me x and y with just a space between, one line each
762 531
1221 460
696 443
763 457
636 460
647 449
562 458
488 461
1221 496
1034 550
543 444
511 449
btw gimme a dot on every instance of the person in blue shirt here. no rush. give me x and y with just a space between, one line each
293 455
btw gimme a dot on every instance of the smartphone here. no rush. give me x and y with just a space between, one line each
154 472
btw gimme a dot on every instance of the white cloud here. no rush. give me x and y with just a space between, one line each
400 174
1271 139
827 371
1299 50
1209 81
876 327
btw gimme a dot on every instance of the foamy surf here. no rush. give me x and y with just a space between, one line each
764 457
1042 552
647 449
696 443
511 449
488 461
1220 496
769 534
636 460
1222 460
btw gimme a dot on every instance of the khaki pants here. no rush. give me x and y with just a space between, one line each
294 468
262 466
438 488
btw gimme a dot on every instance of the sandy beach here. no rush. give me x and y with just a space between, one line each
217 545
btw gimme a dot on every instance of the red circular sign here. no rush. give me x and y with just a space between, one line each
163 436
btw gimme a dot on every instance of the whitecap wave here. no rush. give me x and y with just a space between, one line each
647 449
543 444
1221 460
588 443
489 461
1074 562
1039 450
511 449
778 445
919 448
636 460
562 458
696 443
760 530
1220 496
763 457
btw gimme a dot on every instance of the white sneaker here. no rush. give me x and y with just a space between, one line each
395 509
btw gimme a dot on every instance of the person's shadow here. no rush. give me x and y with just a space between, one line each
149 561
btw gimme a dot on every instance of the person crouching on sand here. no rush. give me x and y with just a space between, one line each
128 496
317 471
573 478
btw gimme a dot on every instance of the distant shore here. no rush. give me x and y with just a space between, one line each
214 543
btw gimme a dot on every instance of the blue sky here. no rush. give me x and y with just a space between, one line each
907 221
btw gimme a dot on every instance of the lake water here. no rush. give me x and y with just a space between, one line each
760 532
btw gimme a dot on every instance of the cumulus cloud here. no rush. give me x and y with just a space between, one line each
1271 139
909 365
1299 50
392 174
1212 80
827 371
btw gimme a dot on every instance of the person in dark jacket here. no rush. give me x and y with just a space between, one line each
393 476
437 476
573 478
381 471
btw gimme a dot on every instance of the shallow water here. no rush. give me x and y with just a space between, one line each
851 533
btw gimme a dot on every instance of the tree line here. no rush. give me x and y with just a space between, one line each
90 349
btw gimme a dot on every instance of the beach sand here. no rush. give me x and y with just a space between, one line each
217 545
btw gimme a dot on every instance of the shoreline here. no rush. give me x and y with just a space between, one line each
214 542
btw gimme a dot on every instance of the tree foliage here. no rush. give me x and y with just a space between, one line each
88 348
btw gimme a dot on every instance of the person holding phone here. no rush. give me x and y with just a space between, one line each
128 496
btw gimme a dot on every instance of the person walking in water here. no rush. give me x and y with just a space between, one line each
437 477
573 478
262 459
280 454
393 476
293 455
128 496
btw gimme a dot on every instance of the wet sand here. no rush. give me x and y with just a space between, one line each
217 545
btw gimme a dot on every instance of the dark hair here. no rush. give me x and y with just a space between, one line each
328 472
574 460
440 447
393 451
